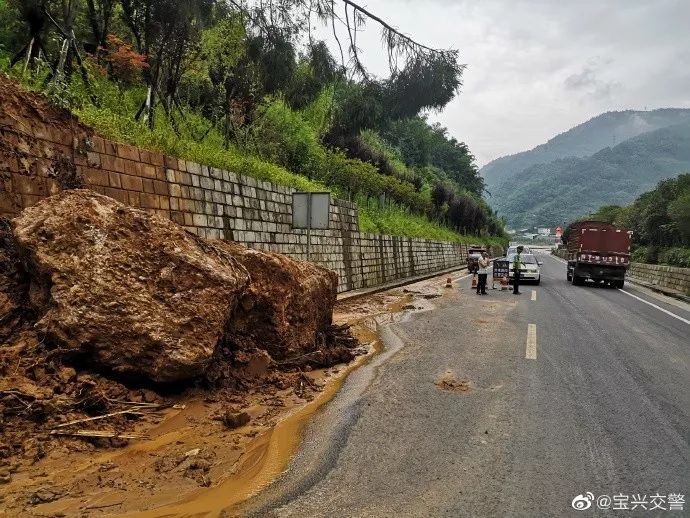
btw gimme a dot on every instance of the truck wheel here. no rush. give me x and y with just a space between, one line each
620 284
568 276
577 281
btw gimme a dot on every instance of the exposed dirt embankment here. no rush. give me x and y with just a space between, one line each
113 320
37 153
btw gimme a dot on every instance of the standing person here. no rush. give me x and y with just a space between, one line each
517 263
483 271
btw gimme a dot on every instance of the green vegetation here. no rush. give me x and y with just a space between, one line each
600 132
216 83
549 194
660 221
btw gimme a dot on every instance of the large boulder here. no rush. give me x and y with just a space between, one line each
132 291
287 307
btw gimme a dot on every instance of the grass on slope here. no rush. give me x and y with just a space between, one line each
394 221
114 119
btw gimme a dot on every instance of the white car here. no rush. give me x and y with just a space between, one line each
531 271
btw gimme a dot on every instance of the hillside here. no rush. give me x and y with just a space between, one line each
276 108
584 140
562 190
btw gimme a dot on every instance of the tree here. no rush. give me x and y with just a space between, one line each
421 77
100 15
125 64
346 19
679 212
607 213
224 57
315 71
35 21
421 144
166 32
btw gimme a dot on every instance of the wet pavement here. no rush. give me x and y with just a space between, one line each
503 405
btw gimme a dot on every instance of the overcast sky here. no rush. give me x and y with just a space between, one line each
537 68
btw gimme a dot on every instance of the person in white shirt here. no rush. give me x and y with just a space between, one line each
482 272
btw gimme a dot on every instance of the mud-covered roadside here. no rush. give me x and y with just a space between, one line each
137 360
144 370
191 461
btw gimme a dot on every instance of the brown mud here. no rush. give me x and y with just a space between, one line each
191 464
449 382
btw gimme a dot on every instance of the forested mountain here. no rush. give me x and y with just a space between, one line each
565 189
605 130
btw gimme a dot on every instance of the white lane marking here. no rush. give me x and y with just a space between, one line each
655 306
531 351
534 294
638 298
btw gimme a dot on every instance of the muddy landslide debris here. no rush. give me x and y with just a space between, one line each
137 294
134 292
286 307
13 285
232 419
101 302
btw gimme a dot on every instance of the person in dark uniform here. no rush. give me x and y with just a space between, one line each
517 263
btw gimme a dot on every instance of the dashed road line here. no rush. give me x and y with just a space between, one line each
531 351
534 294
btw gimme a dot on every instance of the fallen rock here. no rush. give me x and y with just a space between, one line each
149 396
287 308
235 419
197 470
252 364
134 292
192 453
46 494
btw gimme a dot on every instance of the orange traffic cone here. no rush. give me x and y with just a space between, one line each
474 281
449 282
504 283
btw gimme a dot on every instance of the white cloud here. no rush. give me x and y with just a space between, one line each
537 68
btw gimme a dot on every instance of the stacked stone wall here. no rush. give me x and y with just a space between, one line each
209 202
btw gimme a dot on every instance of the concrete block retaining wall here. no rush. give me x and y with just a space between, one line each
209 202
670 277
661 276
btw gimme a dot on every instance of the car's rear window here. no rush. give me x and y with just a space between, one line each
525 258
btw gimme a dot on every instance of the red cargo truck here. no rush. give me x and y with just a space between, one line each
598 251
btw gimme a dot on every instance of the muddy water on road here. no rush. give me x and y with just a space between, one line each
341 410
270 453
266 458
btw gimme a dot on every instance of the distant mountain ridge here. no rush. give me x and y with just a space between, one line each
549 194
605 130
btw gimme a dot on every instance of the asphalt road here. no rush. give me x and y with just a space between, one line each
602 406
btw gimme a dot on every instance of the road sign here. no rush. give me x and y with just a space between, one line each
311 210
501 268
